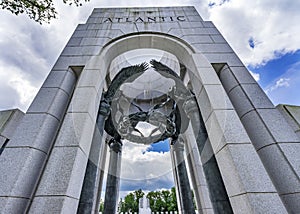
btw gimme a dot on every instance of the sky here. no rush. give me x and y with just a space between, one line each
264 34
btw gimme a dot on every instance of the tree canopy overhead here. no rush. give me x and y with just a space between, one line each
41 11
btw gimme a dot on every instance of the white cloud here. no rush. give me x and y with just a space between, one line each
137 164
34 48
28 51
285 89
273 25
256 76
281 82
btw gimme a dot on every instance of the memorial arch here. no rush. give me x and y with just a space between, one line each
210 109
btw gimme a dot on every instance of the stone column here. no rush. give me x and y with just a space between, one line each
218 194
185 193
113 177
176 180
274 140
24 157
89 192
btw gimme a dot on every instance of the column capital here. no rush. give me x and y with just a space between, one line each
178 144
115 145
190 105
104 108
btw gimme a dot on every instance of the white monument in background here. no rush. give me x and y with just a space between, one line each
144 206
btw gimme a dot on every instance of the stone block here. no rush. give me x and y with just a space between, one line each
54 204
190 24
257 203
84 33
2 140
212 48
166 27
227 78
196 83
13 205
74 42
283 175
76 130
200 61
81 51
36 131
85 100
94 41
53 101
292 116
208 24
64 173
95 26
224 127
126 28
242 75
291 152
230 58
63 79
213 97
64 62
277 125
242 170
148 27
110 34
293 201
240 101
194 39
81 27
20 169
191 12
218 39
91 78
256 130
10 121
208 76
194 31
4 118
257 96
194 18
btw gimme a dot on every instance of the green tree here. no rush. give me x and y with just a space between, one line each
164 200
41 11
131 201
160 201
101 207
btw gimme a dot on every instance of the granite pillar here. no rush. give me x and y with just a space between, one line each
185 196
218 195
271 135
88 197
113 177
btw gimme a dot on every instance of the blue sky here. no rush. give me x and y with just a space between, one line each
280 78
264 34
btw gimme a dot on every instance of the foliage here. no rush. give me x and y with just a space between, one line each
41 11
160 201
101 207
131 202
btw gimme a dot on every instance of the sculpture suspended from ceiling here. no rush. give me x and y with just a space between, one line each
121 124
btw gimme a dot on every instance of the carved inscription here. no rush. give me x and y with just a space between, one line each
144 19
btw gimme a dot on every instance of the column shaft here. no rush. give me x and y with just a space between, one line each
216 187
88 197
186 199
113 177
